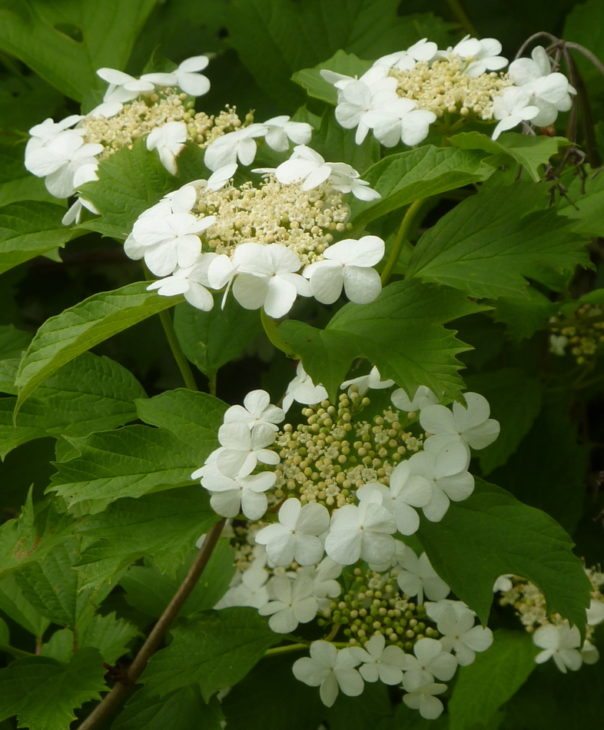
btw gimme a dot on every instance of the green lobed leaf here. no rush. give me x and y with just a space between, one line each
584 205
496 675
79 328
532 153
66 41
129 182
401 332
30 229
129 462
89 394
420 173
182 709
43 693
216 650
515 399
491 243
212 339
14 605
491 534
161 527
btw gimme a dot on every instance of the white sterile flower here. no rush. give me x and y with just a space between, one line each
297 535
482 55
361 531
512 107
330 670
595 612
248 590
503 584
357 97
266 277
417 577
371 381
187 76
471 422
561 643
345 179
408 491
444 467
47 130
324 577
280 131
46 153
243 447
230 148
423 397
191 282
423 50
167 240
380 661
429 660
62 182
400 121
237 491
420 696
256 408
558 344
589 653
122 86
169 141
220 177
292 602
84 173
303 390
550 92
347 265
455 621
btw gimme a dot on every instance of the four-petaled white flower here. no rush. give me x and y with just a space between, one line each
512 107
470 423
84 173
247 589
324 578
560 642
234 490
293 602
187 76
361 531
423 397
243 447
380 661
481 55
266 277
420 696
408 492
281 130
169 141
256 408
298 534
371 381
428 661
417 577
167 240
455 621
191 282
331 670
122 86
302 389
347 265
238 146
400 121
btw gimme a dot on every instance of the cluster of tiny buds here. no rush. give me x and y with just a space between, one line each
443 87
333 453
373 604
304 221
150 111
580 335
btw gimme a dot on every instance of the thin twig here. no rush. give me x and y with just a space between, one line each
541 34
399 239
113 701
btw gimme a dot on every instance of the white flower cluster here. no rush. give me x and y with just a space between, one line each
357 516
553 635
260 274
403 93
59 152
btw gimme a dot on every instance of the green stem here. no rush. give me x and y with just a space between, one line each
15 651
179 356
212 384
272 332
399 239
285 649
458 10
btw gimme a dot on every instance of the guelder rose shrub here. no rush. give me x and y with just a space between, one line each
388 268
